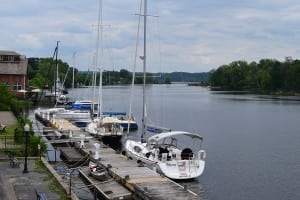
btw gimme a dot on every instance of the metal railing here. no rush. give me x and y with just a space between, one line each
10 143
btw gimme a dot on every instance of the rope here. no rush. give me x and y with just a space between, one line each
77 164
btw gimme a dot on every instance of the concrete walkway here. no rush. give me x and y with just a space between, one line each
7 118
16 185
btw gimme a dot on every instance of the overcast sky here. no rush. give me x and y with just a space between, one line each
188 35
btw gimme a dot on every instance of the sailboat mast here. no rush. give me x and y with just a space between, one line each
100 68
56 75
144 69
73 70
97 57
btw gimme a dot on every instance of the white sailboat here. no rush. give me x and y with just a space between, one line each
107 128
163 150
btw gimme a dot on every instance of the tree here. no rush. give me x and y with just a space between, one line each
268 75
5 98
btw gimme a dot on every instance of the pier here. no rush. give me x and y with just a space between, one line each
127 179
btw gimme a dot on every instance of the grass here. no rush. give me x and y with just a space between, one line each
10 129
53 185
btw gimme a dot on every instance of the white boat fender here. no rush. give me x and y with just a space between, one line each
202 154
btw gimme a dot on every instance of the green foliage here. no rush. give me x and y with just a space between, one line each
34 140
9 130
33 145
37 82
5 98
267 75
9 102
43 70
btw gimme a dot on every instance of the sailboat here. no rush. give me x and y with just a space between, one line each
164 150
106 128
58 91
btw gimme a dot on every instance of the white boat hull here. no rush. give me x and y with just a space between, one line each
183 169
136 150
169 160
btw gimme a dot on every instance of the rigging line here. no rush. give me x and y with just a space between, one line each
100 23
134 67
144 69
108 53
160 67
73 58
48 74
97 52
63 83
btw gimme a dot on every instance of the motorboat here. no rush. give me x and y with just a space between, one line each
173 160
62 113
83 104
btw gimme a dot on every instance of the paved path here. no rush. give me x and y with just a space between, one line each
7 118
16 185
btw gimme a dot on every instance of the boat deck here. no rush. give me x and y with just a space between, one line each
63 125
142 181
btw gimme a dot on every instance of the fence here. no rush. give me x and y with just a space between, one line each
9 143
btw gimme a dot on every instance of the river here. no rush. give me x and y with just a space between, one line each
252 141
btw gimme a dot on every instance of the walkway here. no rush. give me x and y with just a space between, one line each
16 185
7 118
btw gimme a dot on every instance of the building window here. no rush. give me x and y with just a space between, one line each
1 58
17 86
11 58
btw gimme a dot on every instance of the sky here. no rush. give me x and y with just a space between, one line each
182 35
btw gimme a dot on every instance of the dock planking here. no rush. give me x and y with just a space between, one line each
71 154
110 189
142 181
63 125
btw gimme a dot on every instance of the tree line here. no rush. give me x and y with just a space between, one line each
266 75
42 72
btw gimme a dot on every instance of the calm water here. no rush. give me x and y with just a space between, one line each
252 141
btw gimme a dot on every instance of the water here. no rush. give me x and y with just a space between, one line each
252 141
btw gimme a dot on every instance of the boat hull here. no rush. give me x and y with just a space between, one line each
181 170
135 150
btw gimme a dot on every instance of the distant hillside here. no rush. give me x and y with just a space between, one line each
184 76
124 77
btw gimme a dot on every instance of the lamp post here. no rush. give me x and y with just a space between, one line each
26 129
39 148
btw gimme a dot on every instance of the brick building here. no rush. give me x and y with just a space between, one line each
13 71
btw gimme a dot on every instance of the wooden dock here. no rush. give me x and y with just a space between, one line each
63 125
143 182
129 178
109 189
71 155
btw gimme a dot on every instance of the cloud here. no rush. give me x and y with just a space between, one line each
190 35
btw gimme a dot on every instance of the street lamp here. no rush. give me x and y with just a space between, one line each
26 129
39 148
